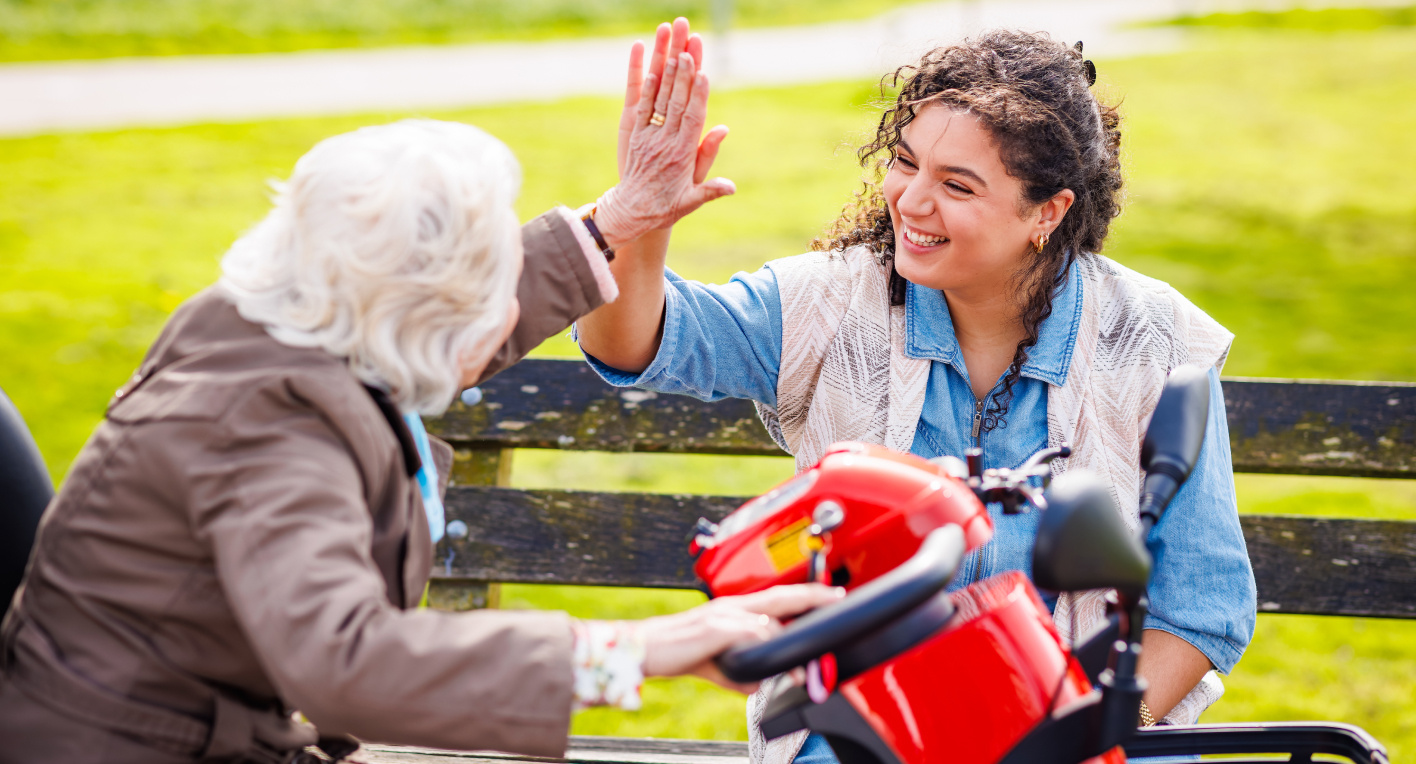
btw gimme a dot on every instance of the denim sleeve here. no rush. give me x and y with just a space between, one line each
1202 589
720 341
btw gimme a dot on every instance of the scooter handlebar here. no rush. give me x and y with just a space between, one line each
864 610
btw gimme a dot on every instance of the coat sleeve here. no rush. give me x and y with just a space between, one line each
560 282
279 500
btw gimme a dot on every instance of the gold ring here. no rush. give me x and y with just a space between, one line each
657 120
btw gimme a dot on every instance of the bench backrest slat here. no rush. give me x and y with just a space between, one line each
1328 566
564 404
1293 427
1352 429
1302 565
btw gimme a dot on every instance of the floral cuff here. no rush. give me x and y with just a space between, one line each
608 663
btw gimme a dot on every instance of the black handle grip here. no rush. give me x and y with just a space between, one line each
866 609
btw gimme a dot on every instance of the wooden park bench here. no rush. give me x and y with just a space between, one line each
1306 565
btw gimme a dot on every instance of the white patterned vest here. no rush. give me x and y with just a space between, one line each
845 376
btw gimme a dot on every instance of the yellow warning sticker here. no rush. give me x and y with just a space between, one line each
785 548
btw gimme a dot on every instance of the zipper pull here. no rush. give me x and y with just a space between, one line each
978 420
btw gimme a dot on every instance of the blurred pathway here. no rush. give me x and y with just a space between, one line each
85 95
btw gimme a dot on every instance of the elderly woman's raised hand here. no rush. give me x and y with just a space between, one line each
687 642
663 164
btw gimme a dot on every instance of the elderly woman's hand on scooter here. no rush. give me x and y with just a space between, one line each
687 642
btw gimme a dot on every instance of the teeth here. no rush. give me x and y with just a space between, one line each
924 240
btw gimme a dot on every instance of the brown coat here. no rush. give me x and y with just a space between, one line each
241 537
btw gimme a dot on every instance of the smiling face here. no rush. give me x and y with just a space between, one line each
960 223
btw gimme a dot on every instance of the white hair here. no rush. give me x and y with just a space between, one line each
394 247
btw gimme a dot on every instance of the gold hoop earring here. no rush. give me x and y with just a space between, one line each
1041 242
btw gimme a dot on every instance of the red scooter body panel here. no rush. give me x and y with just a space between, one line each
970 693
891 501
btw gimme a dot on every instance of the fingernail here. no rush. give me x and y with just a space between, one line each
840 591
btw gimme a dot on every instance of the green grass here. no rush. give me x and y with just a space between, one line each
1269 184
1319 20
1269 179
33 30
101 234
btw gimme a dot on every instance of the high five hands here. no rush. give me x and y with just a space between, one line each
664 157
663 168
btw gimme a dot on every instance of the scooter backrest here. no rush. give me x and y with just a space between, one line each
1176 432
1082 542
864 610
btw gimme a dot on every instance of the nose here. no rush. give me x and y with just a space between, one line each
916 201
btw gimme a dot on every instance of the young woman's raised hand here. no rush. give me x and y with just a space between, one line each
663 163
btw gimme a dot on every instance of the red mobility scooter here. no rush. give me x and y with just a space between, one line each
901 672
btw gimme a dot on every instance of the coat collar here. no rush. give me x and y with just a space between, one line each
929 331
411 461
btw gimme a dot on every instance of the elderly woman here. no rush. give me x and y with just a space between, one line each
961 303
246 535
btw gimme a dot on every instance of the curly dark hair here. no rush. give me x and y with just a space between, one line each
1034 95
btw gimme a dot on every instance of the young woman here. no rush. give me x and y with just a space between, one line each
247 533
961 302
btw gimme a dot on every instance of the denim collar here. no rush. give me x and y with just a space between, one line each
929 331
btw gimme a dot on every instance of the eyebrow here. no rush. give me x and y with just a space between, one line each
950 169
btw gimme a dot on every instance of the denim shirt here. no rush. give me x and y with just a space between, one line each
725 340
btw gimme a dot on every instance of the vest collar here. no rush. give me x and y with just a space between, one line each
929 331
